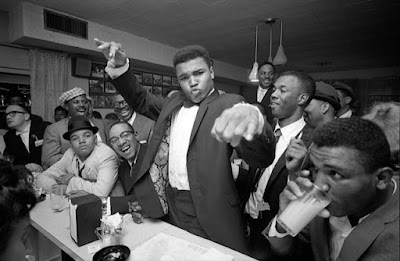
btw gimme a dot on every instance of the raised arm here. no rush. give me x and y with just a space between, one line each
124 80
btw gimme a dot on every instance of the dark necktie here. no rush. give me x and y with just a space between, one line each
278 134
79 168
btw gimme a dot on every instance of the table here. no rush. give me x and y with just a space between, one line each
55 226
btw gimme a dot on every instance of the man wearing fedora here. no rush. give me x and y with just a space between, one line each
88 165
347 99
323 105
76 101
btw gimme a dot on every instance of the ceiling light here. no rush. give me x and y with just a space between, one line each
253 74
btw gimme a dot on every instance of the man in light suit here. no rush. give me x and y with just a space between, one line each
190 169
54 145
142 125
351 163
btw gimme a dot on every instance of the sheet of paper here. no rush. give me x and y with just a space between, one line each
169 248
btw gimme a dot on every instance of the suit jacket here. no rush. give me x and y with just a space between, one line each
208 161
127 175
375 238
250 94
54 145
15 146
143 127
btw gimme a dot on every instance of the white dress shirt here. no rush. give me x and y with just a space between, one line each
25 135
261 93
256 198
132 119
347 114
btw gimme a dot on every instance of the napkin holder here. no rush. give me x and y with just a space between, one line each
84 218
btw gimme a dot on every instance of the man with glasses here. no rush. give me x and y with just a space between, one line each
142 125
25 138
88 166
76 101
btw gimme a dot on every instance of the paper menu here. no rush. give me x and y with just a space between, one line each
169 248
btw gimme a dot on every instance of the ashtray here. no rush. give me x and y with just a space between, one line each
112 253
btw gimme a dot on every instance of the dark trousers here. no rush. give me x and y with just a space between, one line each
182 212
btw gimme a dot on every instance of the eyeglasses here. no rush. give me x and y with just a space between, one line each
123 136
117 104
13 113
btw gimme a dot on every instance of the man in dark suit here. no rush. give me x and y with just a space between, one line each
292 92
25 138
190 169
142 125
351 163
54 145
262 95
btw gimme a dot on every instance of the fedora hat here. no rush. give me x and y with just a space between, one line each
326 92
343 86
79 123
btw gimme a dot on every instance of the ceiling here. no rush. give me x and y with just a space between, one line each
319 35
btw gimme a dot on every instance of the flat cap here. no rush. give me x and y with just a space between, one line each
326 92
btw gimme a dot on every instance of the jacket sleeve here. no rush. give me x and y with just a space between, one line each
107 174
137 96
259 152
51 148
51 176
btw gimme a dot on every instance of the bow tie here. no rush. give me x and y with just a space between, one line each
188 103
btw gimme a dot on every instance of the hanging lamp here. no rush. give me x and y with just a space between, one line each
280 57
253 74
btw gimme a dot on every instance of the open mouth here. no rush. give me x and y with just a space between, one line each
126 149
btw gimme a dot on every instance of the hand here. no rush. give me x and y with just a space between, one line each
112 51
66 178
136 211
294 190
33 167
76 193
241 120
295 154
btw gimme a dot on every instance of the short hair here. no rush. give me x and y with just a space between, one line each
265 63
16 200
111 116
191 52
120 122
97 115
307 83
355 133
61 108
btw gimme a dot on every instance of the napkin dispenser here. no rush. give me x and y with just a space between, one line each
84 218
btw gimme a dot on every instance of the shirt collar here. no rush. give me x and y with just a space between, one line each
292 129
134 161
132 119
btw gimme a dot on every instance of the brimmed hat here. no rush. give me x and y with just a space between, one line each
79 123
343 86
69 95
326 92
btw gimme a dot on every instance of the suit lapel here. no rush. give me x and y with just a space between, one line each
277 169
202 111
267 97
365 233
319 232
123 174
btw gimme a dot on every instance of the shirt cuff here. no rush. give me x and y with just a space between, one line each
260 115
116 72
273 232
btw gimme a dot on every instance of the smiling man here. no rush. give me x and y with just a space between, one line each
54 146
292 92
191 170
88 165
350 162
142 125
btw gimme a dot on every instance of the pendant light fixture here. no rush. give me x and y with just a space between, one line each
280 57
253 74
270 21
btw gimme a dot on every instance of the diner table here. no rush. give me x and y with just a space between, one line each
55 226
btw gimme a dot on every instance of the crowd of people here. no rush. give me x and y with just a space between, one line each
172 158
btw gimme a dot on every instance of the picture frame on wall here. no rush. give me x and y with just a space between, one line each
109 88
166 80
148 88
109 101
97 70
138 76
175 82
157 79
147 78
96 85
